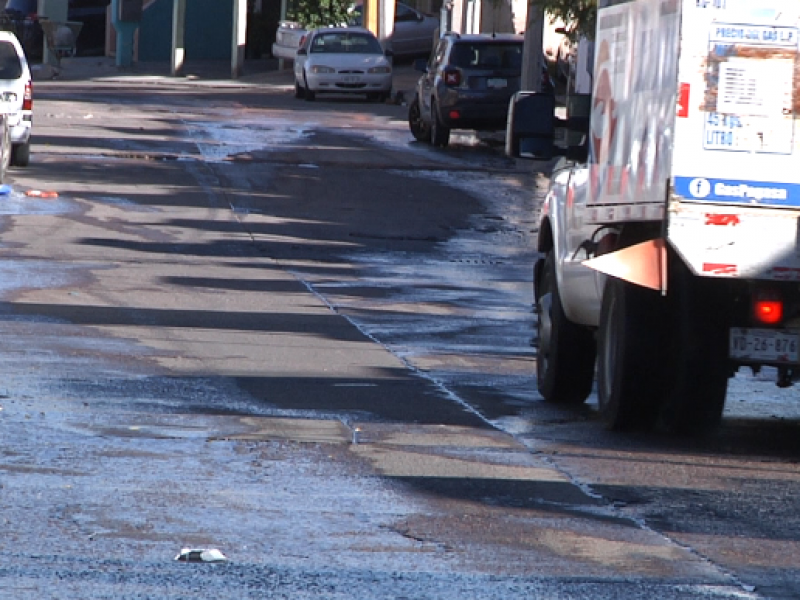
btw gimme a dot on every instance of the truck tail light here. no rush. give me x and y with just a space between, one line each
452 77
27 99
768 307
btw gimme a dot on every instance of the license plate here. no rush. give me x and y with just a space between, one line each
769 345
496 82
351 79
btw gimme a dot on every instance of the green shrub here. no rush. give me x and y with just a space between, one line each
319 13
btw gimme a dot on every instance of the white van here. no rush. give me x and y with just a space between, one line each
16 99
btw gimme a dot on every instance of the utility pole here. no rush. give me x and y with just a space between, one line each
534 42
239 37
178 37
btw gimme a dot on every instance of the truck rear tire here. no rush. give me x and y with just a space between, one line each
631 366
566 354
699 366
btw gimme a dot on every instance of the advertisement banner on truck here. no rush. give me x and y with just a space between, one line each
634 100
735 201
736 135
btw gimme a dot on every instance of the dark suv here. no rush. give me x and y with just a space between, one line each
467 84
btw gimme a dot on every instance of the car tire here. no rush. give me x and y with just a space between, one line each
7 154
419 128
440 135
631 368
698 356
308 94
566 351
21 154
299 91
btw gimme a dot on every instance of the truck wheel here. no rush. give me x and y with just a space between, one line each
299 91
699 366
419 128
566 355
630 357
440 135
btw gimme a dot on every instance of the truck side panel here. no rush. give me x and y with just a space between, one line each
633 110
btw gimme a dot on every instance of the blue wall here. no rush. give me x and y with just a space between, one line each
209 27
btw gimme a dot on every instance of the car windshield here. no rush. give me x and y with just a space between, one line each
10 67
346 42
487 55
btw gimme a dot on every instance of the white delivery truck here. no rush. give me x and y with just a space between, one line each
671 248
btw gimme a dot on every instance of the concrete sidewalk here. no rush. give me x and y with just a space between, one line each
261 72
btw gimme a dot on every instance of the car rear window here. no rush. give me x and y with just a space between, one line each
10 66
338 42
486 55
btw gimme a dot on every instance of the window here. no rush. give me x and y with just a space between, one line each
404 13
487 56
343 42
10 67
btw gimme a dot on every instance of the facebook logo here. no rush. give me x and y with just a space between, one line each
699 187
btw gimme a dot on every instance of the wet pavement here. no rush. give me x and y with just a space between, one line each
288 333
268 72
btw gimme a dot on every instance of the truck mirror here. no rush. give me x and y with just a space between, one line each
530 127
579 107
578 154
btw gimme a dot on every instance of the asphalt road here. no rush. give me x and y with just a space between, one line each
281 330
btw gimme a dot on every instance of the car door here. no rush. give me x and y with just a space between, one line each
427 82
408 36
300 59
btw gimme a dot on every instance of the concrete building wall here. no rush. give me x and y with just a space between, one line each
488 16
209 26
496 17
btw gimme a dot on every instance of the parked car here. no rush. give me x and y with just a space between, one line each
342 60
413 33
22 17
467 84
288 40
16 101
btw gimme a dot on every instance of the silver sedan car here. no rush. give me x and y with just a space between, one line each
342 60
414 33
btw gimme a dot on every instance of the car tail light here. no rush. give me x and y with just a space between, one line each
768 307
454 114
452 77
27 99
